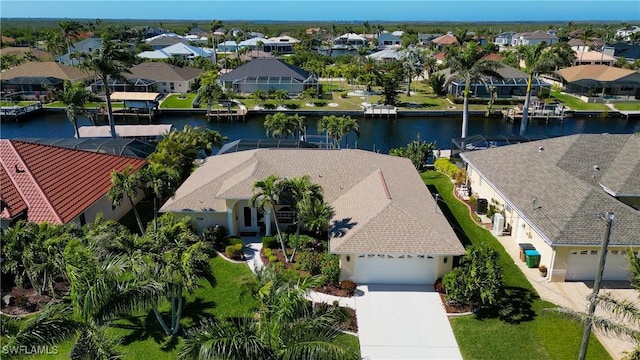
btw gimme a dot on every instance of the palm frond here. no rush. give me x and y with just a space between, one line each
606 326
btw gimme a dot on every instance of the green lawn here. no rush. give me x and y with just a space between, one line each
520 330
175 101
576 104
142 336
19 103
89 105
628 106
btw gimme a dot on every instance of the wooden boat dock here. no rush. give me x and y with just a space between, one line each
17 112
380 111
231 114
539 111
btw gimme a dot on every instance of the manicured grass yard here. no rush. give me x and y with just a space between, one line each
175 101
628 106
576 104
519 330
143 338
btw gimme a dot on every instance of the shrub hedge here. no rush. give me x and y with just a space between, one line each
270 242
234 251
446 166
331 268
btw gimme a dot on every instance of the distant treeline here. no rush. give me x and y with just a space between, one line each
28 28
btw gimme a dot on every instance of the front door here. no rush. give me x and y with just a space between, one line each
248 221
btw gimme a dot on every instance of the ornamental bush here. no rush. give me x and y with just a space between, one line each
234 251
331 268
309 262
446 166
270 242
216 235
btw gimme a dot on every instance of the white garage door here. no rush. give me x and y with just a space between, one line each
395 269
583 265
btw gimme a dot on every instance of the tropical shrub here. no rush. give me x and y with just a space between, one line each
215 235
309 262
344 94
234 251
477 280
331 268
233 240
269 242
445 165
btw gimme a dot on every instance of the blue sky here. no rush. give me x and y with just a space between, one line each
330 10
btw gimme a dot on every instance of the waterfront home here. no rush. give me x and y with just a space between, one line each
153 77
504 39
584 56
44 183
387 55
31 79
388 40
513 83
179 51
600 81
268 74
625 33
86 46
532 38
555 194
624 50
385 227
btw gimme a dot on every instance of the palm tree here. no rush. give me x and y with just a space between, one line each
109 61
537 60
294 191
331 125
278 125
347 125
55 43
260 96
413 60
287 326
162 181
70 29
74 96
281 95
266 195
177 258
126 183
468 64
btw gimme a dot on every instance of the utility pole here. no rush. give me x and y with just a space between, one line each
596 288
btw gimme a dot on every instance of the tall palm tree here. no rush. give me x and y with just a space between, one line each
294 191
278 125
70 29
162 181
109 61
347 125
537 60
469 65
266 195
331 125
74 96
413 60
126 183
287 326
177 258
55 43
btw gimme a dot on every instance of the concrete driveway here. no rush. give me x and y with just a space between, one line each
403 322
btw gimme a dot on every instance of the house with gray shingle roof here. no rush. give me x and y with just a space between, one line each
268 74
555 193
532 38
385 227
154 77
512 83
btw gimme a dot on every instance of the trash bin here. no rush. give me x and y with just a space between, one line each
482 206
532 258
523 247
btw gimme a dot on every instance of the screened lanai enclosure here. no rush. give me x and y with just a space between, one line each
480 142
268 74
121 147
267 83
513 83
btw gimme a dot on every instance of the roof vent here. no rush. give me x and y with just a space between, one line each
596 168
540 149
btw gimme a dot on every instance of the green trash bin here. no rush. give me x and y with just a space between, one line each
532 258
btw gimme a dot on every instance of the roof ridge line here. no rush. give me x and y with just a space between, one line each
33 179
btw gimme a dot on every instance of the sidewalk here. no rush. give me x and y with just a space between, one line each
251 251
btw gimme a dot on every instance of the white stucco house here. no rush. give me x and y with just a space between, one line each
386 227
555 193
179 51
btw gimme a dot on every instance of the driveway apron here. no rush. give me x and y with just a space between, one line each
403 322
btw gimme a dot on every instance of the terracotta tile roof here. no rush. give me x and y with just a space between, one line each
6 39
12 203
381 197
445 39
440 56
493 57
596 72
57 184
45 69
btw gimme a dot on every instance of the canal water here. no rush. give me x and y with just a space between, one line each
375 134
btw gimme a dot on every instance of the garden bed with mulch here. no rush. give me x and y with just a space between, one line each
20 301
451 308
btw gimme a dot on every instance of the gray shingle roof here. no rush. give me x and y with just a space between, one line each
381 204
266 67
161 71
565 178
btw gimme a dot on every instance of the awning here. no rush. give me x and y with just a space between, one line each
125 131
